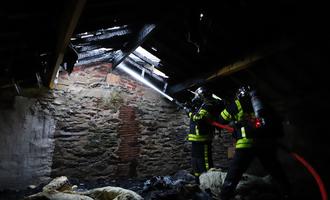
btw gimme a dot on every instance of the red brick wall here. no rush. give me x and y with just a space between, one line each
128 133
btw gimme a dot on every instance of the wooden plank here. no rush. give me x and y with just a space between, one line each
203 78
232 68
69 21
235 67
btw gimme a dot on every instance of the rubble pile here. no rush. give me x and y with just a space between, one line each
180 186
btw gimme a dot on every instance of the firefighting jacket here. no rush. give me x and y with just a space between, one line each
235 113
200 129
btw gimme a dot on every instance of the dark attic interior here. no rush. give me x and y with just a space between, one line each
92 97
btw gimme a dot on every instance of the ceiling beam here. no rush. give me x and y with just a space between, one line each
102 35
114 43
68 23
92 53
140 37
99 58
237 66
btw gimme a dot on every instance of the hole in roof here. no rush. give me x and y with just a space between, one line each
148 61
147 54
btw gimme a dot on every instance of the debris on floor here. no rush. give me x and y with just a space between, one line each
180 186
61 189
250 187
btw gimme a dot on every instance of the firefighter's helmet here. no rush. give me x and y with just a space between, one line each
243 91
201 94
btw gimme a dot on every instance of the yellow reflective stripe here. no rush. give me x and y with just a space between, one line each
206 158
197 138
243 132
203 112
240 113
244 143
200 115
225 112
196 130
197 174
238 104
225 115
190 114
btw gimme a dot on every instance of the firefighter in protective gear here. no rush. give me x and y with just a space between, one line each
201 132
251 140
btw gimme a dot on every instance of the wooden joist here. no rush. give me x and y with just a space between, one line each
69 20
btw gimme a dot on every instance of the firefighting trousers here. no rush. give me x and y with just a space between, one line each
240 163
201 158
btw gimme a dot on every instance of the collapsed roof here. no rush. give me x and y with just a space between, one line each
195 42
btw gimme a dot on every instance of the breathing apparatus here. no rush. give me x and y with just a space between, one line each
258 107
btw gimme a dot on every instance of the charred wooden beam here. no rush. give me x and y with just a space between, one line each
206 77
140 37
106 57
84 49
92 53
102 35
114 43
69 21
101 39
231 68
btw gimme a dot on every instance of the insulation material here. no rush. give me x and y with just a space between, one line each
61 189
249 187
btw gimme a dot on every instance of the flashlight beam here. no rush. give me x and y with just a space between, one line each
136 76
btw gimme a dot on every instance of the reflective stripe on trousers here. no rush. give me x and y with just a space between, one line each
244 142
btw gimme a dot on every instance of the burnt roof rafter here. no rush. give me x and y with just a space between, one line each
102 34
139 38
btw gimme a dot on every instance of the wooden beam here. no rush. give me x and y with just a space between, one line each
105 57
235 67
68 23
231 68
105 35
139 39
92 53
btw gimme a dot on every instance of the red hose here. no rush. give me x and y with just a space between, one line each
216 124
313 172
309 167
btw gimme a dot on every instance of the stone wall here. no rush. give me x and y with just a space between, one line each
26 144
104 125
110 126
